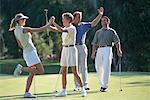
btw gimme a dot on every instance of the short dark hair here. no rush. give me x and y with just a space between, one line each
77 13
107 18
68 16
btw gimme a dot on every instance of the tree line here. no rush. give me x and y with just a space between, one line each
130 18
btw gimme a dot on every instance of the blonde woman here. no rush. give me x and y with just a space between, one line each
24 39
69 52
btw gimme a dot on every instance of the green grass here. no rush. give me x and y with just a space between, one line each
7 66
21 61
136 86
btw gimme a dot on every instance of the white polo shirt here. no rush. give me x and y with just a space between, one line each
69 38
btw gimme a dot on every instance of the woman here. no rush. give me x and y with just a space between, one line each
69 52
24 40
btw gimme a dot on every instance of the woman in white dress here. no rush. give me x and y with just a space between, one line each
24 40
69 52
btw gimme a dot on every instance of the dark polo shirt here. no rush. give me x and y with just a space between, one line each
105 37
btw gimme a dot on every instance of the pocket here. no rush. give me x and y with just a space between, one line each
85 49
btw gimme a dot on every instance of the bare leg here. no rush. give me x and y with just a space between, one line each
74 70
64 74
35 69
29 82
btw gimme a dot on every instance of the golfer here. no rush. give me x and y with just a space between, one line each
69 54
82 29
102 51
24 40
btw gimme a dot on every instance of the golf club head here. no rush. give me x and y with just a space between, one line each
46 10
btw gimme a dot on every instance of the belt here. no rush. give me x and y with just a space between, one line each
68 45
105 46
79 43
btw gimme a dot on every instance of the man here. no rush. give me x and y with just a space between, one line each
82 29
102 51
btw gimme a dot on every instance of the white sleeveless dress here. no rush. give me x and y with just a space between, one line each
29 51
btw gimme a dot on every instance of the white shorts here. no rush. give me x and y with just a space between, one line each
31 58
69 56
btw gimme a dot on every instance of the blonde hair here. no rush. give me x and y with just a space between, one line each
68 16
12 24
15 20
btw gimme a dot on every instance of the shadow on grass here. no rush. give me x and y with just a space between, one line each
126 75
138 84
42 95
129 74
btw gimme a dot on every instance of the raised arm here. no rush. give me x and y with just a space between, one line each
54 29
97 19
59 28
32 30
56 26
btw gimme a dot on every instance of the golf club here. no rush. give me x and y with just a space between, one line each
119 65
47 32
34 86
57 80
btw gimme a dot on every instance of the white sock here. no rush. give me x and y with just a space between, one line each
83 88
64 90
27 92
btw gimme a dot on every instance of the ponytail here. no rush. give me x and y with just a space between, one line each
12 24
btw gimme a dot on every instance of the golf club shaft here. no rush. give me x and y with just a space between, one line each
46 19
47 32
120 73
57 80
34 86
